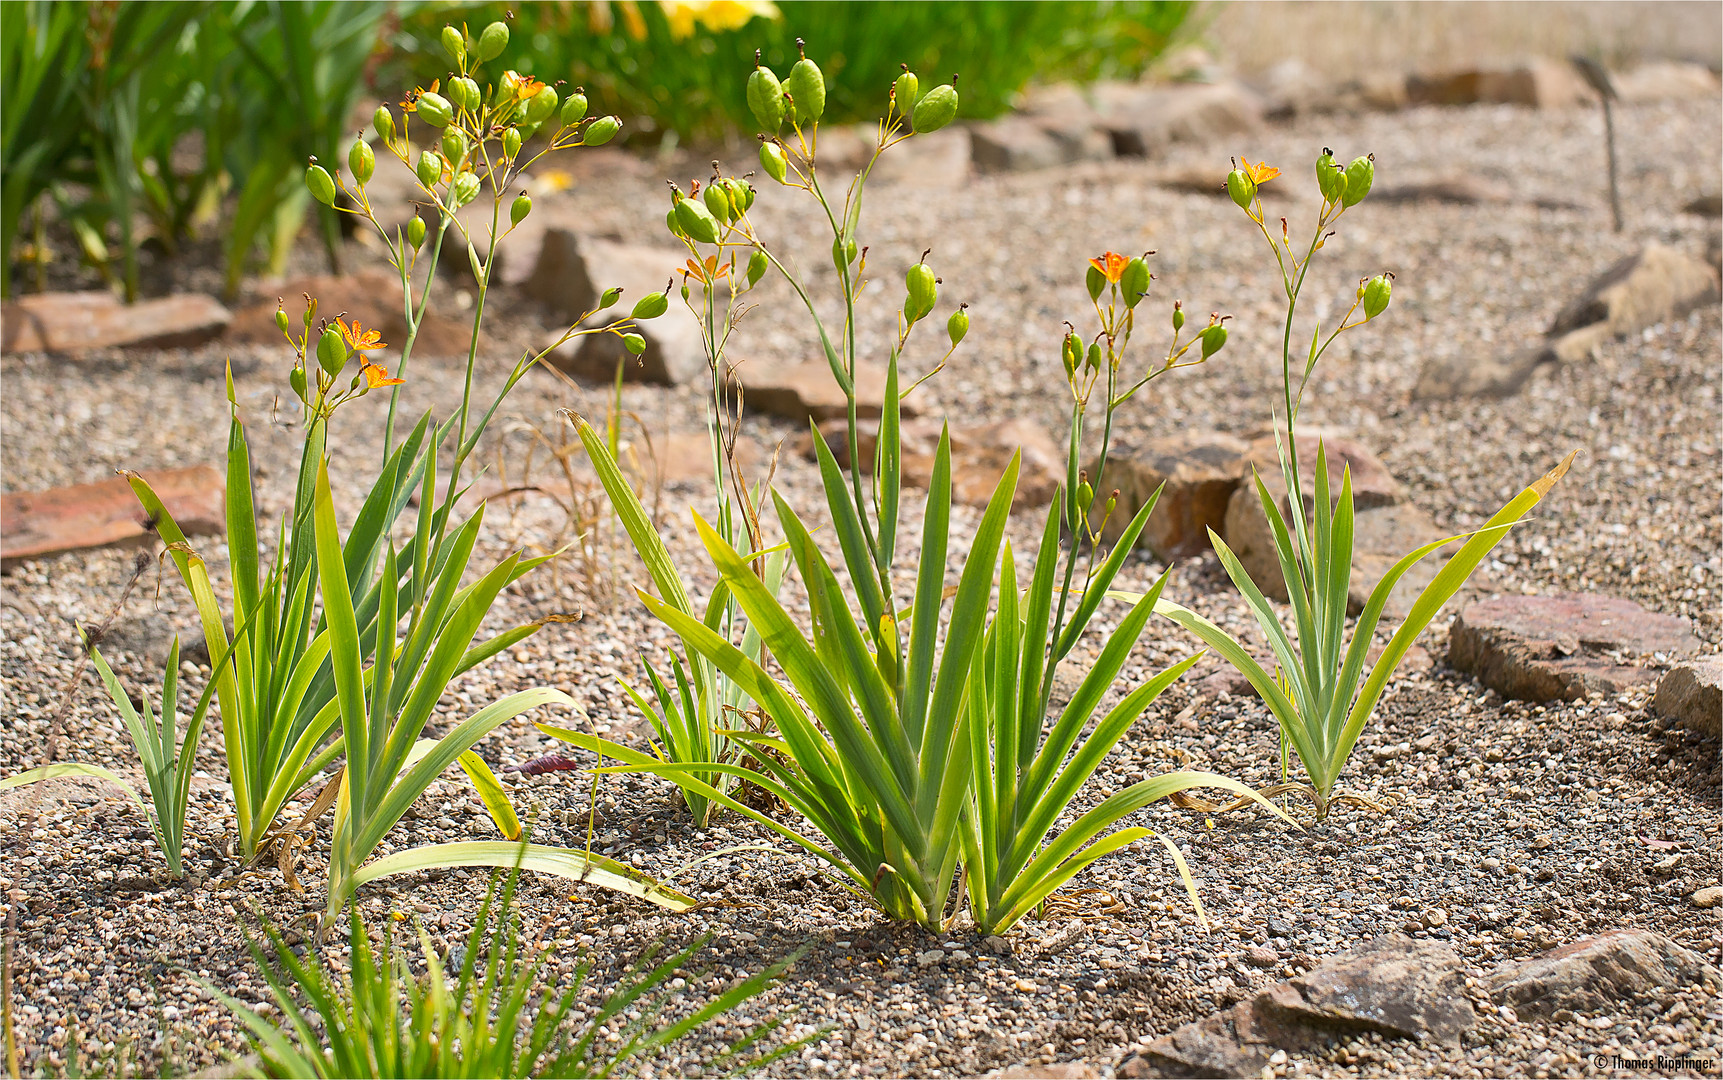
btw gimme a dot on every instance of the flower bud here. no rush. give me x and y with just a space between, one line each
321 185
464 93
718 202
416 232
844 252
1376 295
1134 282
1359 176
634 343
520 208
773 161
1330 177
937 108
958 325
807 90
1096 282
601 131
465 189
651 306
435 110
454 144
905 92
361 161
923 292
766 99
281 320
492 42
1241 187
429 169
541 105
757 264
331 351
1085 495
574 109
383 123
1093 360
511 144
454 45
1178 316
1213 338
296 379
697 221
610 297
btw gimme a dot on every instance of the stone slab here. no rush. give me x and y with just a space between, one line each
1558 648
76 322
34 524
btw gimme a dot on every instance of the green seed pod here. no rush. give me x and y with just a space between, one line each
610 297
527 131
937 108
844 252
697 221
321 185
718 202
757 264
511 144
1092 361
465 189
1071 354
1377 292
520 208
454 144
1085 495
1330 177
435 110
541 105
1359 176
741 196
673 225
1241 187
429 169
1213 338
905 91
1096 281
766 99
383 123
773 161
574 109
1178 317
361 161
1134 282
464 93
923 292
296 379
331 351
492 42
958 325
454 45
416 232
651 306
807 90
505 89
281 320
601 131
634 343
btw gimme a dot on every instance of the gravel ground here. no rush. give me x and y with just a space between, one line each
1513 828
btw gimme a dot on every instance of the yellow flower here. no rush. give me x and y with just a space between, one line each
1260 173
1111 265
359 339
714 15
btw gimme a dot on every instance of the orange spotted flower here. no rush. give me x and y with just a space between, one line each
376 375
1111 265
1260 173
359 339
528 88
710 272
412 102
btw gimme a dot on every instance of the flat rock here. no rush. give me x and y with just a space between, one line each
1665 80
803 392
675 353
1394 985
1385 526
75 322
370 297
1657 284
1693 694
1705 206
1142 119
573 271
1464 189
1541 84
1020 144
939 159
1200 470
38 523
1550 648
1599 973
1058 1070
1488 376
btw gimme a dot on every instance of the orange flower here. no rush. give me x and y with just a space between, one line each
1111 265
1260 173
528 88
710 272
376 375
412 102
359 339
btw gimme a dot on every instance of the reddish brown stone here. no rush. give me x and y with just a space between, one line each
801 392
38 523
369 297
1200 470
1542 84
1549 648
979 455
1599 973
80 321
1693 694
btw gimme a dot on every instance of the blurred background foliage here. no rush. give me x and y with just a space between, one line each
125 125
